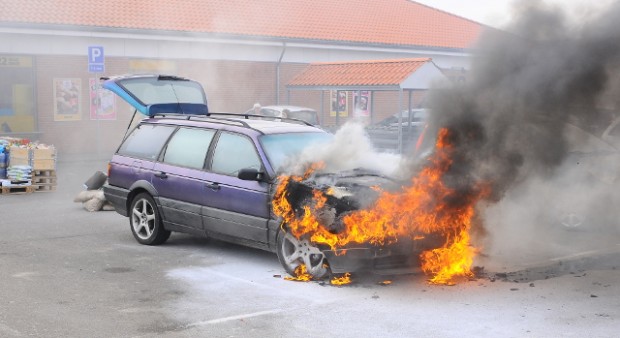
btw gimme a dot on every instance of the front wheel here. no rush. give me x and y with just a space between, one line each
293 252
145 222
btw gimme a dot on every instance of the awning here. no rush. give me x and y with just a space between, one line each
376 75
396 74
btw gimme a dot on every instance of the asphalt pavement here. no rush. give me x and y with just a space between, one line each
67 272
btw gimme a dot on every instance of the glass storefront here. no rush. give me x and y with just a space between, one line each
17 99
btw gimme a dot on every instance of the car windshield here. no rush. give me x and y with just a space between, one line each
304 115
279 147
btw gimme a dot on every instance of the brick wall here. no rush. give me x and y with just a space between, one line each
231 86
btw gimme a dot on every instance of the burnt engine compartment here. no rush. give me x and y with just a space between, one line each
342 192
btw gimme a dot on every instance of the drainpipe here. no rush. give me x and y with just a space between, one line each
278 73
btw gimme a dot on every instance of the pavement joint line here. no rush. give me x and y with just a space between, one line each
59 237
212 271
8 330
542 263
579 254
237 317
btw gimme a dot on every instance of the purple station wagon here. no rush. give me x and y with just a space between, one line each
185 169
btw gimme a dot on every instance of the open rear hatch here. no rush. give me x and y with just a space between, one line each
152 94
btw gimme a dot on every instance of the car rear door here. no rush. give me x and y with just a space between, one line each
234 207
179 178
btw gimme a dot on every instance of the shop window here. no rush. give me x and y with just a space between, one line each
17 100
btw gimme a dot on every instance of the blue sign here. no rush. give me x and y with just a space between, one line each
96 60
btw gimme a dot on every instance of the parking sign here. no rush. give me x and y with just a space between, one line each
96 60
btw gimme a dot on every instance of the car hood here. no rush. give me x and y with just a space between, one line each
152 94
343 192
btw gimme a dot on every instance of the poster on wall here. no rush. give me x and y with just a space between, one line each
339 102
362 105
102 105
67 93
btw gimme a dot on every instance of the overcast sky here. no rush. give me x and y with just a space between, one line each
496 13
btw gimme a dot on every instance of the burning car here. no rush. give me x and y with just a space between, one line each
189 170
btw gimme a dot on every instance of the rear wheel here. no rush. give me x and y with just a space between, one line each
293 252
145 222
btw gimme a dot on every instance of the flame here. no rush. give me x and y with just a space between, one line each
301 274
342 280
426 206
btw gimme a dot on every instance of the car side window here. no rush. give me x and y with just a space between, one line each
146 141
234 152
188 147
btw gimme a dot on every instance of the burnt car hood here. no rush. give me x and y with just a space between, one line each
346 192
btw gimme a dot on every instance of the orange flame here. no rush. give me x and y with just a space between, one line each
425 207
301 274
342 280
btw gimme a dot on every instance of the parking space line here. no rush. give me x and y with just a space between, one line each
237 317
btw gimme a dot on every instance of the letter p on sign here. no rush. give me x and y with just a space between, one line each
96 62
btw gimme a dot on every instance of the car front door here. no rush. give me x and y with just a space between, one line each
234 207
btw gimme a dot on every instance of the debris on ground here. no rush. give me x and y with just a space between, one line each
93 199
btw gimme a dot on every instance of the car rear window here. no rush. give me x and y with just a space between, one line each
146 141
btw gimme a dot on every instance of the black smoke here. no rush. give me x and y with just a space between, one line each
525 85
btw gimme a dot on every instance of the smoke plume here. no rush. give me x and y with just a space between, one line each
514 121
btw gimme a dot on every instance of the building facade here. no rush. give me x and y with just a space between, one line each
49 88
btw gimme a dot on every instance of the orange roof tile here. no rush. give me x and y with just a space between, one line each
384 22
358 73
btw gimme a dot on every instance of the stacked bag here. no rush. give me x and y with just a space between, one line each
20 174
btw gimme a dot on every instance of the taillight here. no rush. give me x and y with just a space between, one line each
418 144
109 168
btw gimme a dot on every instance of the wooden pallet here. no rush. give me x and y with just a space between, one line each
16 189
44 180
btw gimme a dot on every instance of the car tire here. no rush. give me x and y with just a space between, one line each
293 252
145 221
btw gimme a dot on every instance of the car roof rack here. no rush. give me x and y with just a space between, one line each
247 116
203 117
220 117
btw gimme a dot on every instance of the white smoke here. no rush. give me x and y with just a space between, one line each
350 149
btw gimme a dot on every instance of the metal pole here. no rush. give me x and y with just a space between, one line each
98 100
322 122
400 121
278 73
338 108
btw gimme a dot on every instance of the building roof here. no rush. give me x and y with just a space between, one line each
374 74
380 22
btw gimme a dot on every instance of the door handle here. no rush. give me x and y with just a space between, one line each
213 186
161 175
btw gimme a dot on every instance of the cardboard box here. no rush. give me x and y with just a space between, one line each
18 152
44 164
19 156
44 154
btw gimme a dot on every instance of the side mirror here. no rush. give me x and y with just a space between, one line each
249 174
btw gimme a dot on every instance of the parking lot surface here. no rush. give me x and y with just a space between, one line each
67 272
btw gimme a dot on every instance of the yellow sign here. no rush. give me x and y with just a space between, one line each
15 61
153 66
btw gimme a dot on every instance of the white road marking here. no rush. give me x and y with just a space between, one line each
25 275
237 317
